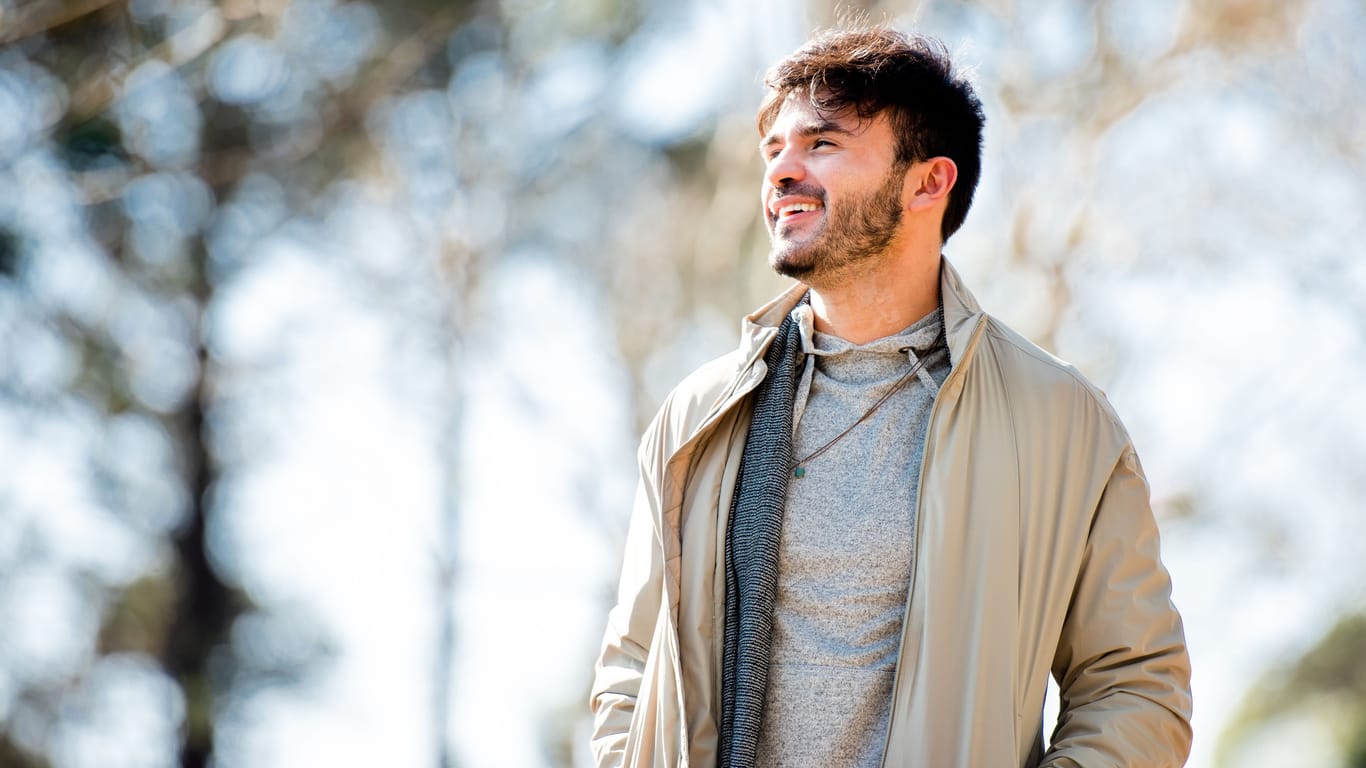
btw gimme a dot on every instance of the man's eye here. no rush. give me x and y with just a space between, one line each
822 143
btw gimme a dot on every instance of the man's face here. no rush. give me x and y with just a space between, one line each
832 192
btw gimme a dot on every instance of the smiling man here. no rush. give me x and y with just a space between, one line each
868 535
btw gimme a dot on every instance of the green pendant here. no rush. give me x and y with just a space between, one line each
799 472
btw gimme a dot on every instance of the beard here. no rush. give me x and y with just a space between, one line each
857 231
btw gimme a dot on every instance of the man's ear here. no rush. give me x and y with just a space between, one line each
929 182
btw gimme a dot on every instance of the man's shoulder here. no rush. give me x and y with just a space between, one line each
694 398
1038 378
704 390
710 381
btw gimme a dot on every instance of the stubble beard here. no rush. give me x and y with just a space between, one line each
853 235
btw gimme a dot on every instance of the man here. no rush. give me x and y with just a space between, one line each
868 535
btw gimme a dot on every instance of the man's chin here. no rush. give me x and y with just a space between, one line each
794 265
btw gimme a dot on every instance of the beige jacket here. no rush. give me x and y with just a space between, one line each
1036 551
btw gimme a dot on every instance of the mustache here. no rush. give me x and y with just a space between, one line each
804 190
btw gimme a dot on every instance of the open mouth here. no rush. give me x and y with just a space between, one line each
785 214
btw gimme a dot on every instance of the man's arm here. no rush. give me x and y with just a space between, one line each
1121 662
630 630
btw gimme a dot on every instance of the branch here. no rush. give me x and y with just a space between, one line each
43 16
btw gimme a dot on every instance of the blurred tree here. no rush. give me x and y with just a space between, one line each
146 115
184 133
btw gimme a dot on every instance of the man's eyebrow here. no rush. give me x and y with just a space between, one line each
809 129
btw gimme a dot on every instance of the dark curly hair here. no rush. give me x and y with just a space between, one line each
933 111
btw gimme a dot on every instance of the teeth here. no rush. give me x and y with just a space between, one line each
791 208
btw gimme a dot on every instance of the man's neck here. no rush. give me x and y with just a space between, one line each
878 303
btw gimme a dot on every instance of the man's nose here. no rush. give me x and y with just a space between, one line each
784 169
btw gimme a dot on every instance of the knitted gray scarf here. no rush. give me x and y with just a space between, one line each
752 538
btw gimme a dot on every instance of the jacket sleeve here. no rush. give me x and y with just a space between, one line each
1121 663
630 629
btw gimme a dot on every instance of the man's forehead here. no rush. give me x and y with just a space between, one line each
799 115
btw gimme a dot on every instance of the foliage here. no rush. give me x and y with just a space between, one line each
1329 677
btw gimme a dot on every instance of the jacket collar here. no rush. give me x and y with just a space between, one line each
961 311
960 314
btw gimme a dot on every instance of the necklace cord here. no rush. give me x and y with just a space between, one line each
867 414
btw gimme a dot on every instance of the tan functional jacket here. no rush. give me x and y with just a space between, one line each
1035 550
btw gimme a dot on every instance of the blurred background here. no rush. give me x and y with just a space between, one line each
328 327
